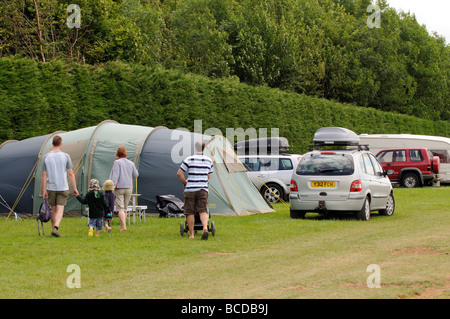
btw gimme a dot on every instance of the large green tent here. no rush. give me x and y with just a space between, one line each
92 150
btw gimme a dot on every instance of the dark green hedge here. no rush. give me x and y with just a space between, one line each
40 98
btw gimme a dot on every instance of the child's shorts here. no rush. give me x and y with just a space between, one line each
96 223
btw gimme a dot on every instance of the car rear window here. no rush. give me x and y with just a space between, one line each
326 164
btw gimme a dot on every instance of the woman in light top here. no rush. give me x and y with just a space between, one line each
122 174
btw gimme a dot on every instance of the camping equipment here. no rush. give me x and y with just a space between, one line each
45 214
169 206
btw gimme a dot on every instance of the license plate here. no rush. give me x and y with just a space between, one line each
322 184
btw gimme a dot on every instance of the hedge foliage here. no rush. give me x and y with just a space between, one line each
40 98
321 48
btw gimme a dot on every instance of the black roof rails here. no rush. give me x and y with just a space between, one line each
361 147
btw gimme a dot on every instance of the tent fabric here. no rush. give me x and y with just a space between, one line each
157 169
17 167
92 151
75 144
231 191
156 152
231 160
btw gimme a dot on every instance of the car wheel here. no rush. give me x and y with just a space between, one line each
272 193
410 180
298 214
390 206
364 213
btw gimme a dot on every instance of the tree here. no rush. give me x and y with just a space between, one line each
199 45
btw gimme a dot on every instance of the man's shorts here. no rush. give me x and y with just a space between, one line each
123 196
58 198
195 202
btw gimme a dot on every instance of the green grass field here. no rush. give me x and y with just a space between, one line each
256 256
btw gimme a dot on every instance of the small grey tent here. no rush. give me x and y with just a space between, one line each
157 153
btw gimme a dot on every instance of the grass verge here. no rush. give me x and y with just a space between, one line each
256 256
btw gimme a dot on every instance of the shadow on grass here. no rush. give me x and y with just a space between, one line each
338 216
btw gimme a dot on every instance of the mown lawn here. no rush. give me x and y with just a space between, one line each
257 256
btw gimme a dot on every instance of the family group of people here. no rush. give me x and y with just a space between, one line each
116 192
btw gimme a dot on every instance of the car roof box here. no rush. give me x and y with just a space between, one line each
262 146
335 136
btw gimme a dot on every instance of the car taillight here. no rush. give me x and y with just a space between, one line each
356 186
294 187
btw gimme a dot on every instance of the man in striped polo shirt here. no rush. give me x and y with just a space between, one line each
199 168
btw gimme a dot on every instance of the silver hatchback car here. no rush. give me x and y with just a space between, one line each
271 174
340 180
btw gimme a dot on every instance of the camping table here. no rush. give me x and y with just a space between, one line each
136 209
133 200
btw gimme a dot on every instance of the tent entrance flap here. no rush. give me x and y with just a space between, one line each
230 159
231 184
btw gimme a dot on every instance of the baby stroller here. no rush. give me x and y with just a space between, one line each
169 206
198 225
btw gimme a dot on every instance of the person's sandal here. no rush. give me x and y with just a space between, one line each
55 233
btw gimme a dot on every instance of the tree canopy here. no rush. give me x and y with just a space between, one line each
321 48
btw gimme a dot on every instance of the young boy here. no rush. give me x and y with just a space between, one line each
95 199
108 187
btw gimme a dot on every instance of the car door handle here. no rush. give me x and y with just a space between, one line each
388 165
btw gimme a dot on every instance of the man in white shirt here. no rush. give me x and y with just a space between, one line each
199 168
57 166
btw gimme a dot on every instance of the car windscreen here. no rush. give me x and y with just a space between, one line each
327 164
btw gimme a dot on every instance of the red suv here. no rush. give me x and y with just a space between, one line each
412 166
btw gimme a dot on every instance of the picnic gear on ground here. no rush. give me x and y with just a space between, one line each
169 206
45 214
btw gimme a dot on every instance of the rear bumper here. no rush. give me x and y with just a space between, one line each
353 203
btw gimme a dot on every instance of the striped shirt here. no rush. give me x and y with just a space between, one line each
198 167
